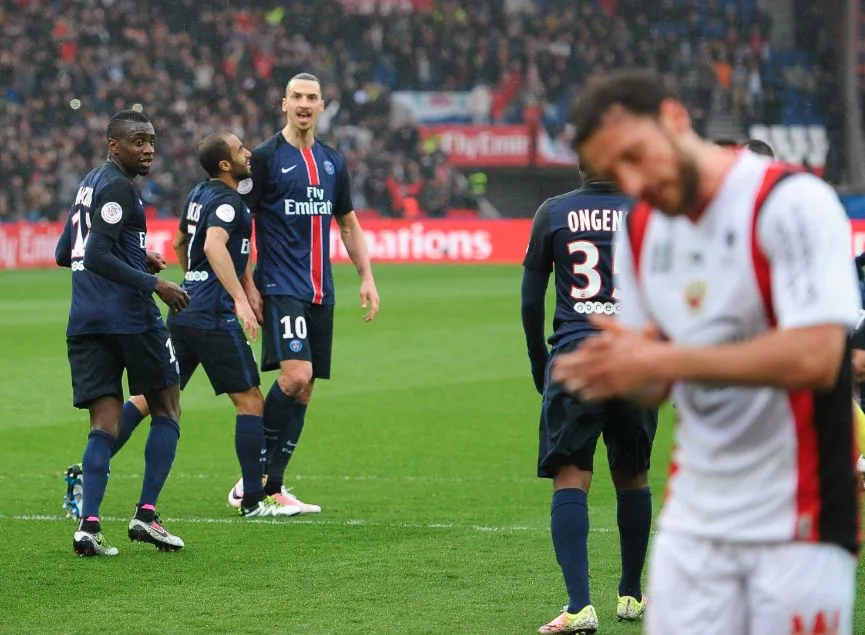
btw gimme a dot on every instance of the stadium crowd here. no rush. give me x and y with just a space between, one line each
66 65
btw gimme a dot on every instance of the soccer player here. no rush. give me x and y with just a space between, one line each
573 234
298 185
743 265
114 325
213 247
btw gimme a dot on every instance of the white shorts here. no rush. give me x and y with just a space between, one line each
705 587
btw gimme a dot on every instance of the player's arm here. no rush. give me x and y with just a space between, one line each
355 244
216 251
63 250
181 248
116 204
537 266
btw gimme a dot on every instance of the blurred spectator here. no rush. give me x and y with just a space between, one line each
66 65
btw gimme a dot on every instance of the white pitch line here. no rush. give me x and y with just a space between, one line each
304 477
310 521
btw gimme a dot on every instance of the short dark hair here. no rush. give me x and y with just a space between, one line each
727 143
640 92
760 147
119 123
307 76
213 149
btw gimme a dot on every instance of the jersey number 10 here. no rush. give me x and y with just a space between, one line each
588 269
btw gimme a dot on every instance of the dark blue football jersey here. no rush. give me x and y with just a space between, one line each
295 192
575 234
108 203
212 204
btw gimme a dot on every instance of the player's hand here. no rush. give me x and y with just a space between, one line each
154 262
539 368
256 304
618 361
173 295
247 318
369 298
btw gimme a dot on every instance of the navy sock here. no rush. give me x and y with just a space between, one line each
569 524
158 456
251 453
634 515
94 468
128 422
277 415
288 438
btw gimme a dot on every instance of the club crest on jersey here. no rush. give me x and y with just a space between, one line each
695 293
328 167
295 346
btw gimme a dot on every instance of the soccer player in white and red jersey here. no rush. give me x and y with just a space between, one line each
741 296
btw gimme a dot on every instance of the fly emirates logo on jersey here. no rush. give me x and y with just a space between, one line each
314 205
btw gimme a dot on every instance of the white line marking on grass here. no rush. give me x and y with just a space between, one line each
308 477
352 522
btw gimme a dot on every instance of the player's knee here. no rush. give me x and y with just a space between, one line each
105 414
165 403
250 402
572 477
306 394
630 479
293 382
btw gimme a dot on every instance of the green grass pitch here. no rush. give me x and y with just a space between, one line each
421 450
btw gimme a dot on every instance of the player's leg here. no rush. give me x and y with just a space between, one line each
696 586
629 433
801 588
289 340
97 370
153 371
134 411
569 431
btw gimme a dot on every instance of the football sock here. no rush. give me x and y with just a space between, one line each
251 453
277 415
569 525
94 471
128 422
288 438
158 456
634 515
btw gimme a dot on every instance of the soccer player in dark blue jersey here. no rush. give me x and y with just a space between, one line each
298 185
573 235
114 325
213 247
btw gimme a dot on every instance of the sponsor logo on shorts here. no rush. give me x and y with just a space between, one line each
599 308
196 276
295 345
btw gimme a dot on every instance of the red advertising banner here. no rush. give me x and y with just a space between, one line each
31 245
497 146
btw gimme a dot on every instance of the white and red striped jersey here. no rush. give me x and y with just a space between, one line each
771 250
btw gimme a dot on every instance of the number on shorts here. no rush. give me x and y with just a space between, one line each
299 328
588 269
172 356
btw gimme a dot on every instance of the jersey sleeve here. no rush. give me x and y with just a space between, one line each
114 206
539 253
260 158
342 203
805 235
226 214
633 311
63 250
